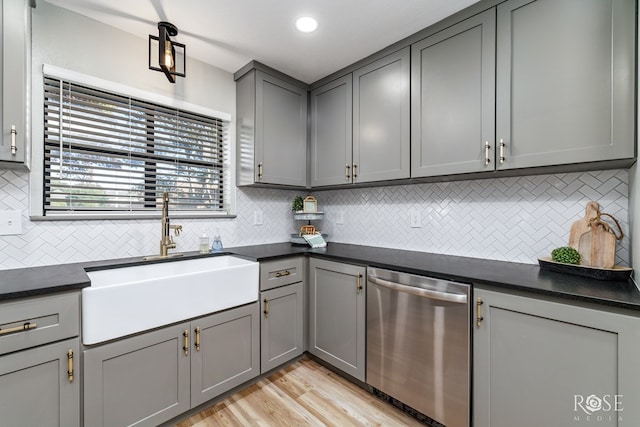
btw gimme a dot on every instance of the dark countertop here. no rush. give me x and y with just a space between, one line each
30 281
529 278
506 275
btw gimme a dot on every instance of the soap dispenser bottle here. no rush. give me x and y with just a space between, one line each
216 246
203 246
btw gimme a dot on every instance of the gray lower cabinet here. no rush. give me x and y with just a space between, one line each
565 81
337 300
381 119
282 325
36 388
15 63
39 361
225 352
153 377
544 363
271 130
331 135
141 381
453 99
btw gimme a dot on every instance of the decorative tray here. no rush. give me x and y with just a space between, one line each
616 273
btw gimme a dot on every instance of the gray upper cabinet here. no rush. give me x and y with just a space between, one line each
271 130
453 99
381 131
360 128
536 362
337 315
565 81
16 59
331 124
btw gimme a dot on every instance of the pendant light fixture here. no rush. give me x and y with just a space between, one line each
171 57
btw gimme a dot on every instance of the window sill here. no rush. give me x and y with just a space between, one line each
66 216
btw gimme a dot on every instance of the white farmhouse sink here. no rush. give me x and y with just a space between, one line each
126 300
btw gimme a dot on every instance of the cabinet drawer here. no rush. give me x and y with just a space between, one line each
281 272
34 321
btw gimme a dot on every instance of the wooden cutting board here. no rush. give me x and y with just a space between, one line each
597 248
581 226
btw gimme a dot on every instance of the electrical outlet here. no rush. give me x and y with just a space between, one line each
415 220
340 217
10 223
257 217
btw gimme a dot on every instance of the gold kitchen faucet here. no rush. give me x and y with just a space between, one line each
166 241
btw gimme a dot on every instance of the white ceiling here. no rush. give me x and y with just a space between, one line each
228 34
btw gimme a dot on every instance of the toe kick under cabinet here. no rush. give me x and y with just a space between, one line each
39 347
153 377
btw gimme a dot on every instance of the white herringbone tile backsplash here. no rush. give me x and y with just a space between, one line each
513 219
56 242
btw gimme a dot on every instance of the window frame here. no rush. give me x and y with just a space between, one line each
36 181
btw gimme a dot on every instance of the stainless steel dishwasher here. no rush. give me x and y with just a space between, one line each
418 343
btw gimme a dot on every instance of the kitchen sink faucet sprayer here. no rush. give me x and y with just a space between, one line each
167 242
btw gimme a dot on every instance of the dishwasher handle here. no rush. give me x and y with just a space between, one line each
421 292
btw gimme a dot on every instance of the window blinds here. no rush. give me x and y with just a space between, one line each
109 152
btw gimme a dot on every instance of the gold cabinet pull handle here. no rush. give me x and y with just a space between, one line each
14 147
185 345
502 145
283 273
70 365
487 147
266 308
25 327
479 317
355 171
197 331
260 171
347 176
359 284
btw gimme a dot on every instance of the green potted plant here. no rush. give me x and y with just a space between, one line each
298 204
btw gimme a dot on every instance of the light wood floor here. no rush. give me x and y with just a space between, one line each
303 394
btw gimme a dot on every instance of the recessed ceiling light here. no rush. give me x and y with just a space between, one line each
306 24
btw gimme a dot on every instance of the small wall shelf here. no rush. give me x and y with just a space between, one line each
306 216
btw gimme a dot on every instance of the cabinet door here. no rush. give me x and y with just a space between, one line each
381 102
537 362
16 48
281 132
36 389
282 327
141 381
337 313
228 353
453 99
331 108
565 81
